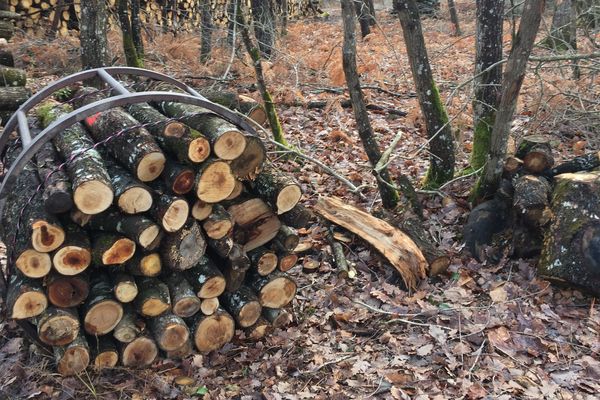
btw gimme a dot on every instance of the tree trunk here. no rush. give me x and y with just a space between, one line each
211 332
183 249
563 33
232 9
243 305
389 196
101 312
441 145
511 86
131 55
93 27
362 12
206 279
153 298
136 28
183 298
454 18
67 291
264 26
206 33
536 153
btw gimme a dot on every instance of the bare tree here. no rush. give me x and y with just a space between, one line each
207 28
136 28
362 12
454 17
264 26
93 27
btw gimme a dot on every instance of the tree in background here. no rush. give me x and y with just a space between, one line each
94 47
454 17
206 33
439 134
136 28
264 26
490 15
132 58
363 12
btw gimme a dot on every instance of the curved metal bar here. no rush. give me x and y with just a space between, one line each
105 104
82 76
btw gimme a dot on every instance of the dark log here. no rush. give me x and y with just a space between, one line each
512 166
25 297
12 76
171 212
571 250
536 153
140 352
259 330
169 331
6 58
218 224
250 163
67 291
153 298
214 181
201 210
178 178
222 247
183 249
484 222
74 255
182 352
144 265
243 305
185 144
526 242
210 306
125 287
338 255
57 326
211 332
235 267
131 195
582 163
129 327
277 317
531 200
111 249
277 188
243 104
91 184
263 260
73 358
101 311
206 279
226 140
274 291
11 98
7 30
183 298
298 217
103 351
255 223
134 148
288 238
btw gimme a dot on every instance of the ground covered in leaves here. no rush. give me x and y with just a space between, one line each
476 331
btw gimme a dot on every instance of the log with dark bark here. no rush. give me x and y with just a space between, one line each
259 330
169 331
214 181
218 224
536 153
74 255
339 257
243 305
111 249
235 267
184 300
277 317
91 184
582 163
201 210
153 298
222 247
125 287
174 137
255 222
287 237
140 352
57 326
129 327
6 58
178 178
243 104
249 164
131 195
25 297
206 279
182 352
73 358
12 77
67 291
134 147
512 167
211 332
101 312
263 260
571 249
171 212
210 306
274 291
279 189
144 265
531 200
104 352
298 217
183 249
11 98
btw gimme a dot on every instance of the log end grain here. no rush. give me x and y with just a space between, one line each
213 287
74 360
287 198
199 149
151 166
58 327
287 261
93 197
102 317
154 307
122 250
34 264
249 314
135 200
29 305
230 145
215 182
67 291
214 331
201 210
148 236
278 292
140 352
106 359
183 182
175 216
46 237
209 306
187 307
72 260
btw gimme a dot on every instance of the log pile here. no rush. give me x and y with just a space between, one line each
546 210
153 241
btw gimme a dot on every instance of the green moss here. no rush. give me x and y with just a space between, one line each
482 140
131 56
274 119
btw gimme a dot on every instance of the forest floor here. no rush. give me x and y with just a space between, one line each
477 331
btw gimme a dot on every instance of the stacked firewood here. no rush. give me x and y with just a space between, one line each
156 227
13 92
546 210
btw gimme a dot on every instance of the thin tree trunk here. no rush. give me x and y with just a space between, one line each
131 55
389 196
454 17
362 12
487 85
441 142
232 10
264 26
207 28
93 28
371 5
512 81
284 17
136 28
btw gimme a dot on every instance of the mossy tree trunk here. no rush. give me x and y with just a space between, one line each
131 55
441 143
136 28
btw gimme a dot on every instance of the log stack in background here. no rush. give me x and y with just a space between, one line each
158 240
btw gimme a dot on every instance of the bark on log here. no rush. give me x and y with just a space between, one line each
288 238
512 166
277 188
153 298
131 195
25 297
273 291
183 249
218 224
571 250
103 351
12 77
210 306
178 178
183 298
67 291
111 249
206 279
57 326
222 247
484 222
255 223
7 30
138 353
237 191
278 317
182 352
531 200
73 358
250 163
214 181
243 305
6 58
169 331
185 144
259 330
149 265
235 267
536 153
211 332
129 327
171 212
101 312
201 210
11 98
298 217
243 104
263 260
582 163
125 287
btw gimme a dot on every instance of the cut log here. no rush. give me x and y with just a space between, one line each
73 358
243 104
396 246
531 200
6 58
273 291
338 255
153 298
243 305
512 166
57 326
177 139
101 311
571 250
255 223
263 260
582 163
171 212
181 352
277 317
134 147
222 247
30 262
138 353
169 331
277 188
288 238
138 228
11 98
218 224
144 265
211 332
91 185
210 306
7 30
214 181
125 287
103 351
111 249
206 279
235 267
131 195
74 255
310 264
286 260
250 163
298 217
183 298
129 327
536 153
227 142
259 330
183 249
201 210
237 191
67 291
178 178
10 76
485 220
25 297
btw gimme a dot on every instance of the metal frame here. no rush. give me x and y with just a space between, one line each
31 145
